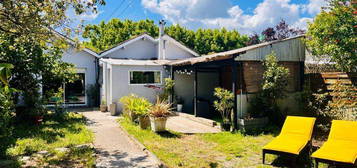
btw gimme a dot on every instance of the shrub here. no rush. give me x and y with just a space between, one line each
160 109
340 104
275 81
224 104
134 106
167 90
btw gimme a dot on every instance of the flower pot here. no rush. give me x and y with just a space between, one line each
112 109
253 123
225 126
158 124
179 107
144 122
103 108
38 119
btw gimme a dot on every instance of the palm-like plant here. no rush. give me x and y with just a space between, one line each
161 109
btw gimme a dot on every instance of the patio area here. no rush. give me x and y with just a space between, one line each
184 123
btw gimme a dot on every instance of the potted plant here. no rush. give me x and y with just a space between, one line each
224 105
256 117
141 110
158 115
179 104
103 106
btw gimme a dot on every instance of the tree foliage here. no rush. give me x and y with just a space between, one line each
281 31
6 107
106 35
275 81
27 41
334 33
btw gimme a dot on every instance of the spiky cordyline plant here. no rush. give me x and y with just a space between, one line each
160 109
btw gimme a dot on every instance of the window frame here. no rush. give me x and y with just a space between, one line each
143 84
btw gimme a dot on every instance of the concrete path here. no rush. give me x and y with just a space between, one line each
114 148
186 125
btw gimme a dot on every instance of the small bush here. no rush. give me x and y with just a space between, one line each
275 81
224 104
340 104
134 106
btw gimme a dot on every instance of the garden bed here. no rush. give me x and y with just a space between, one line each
60 141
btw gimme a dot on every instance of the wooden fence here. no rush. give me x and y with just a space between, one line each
324 81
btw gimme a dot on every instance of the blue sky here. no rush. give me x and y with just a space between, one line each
247 16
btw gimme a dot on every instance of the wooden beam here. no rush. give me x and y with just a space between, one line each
172 78
195 83
234 90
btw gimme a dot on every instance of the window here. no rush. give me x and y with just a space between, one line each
145 77
74 91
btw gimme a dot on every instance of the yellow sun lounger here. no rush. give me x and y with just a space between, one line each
293 138
341 145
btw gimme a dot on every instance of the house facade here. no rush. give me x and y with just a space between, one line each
139 66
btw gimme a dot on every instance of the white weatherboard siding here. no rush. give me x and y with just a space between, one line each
84 63
173 52
143 49
120 83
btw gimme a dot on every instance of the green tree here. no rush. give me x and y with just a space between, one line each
275 81
333 32
6 108
28 42
106 35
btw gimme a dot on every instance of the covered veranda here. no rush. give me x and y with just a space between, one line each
196 78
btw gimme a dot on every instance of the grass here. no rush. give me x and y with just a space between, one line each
66 130
203 150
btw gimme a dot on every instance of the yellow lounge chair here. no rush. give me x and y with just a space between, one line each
341 145
293 138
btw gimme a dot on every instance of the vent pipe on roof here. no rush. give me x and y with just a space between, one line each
161 27
161 47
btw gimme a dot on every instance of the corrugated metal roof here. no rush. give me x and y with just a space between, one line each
287 50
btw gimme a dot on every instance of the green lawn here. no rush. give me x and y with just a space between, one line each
203 150
67 130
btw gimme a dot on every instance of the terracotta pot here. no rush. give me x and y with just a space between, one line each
103 108
144 122
38 119
158 124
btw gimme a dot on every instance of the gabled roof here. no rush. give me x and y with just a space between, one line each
72 42
182 46
127 42
146 36
226 54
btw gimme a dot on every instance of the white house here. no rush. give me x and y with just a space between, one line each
136 65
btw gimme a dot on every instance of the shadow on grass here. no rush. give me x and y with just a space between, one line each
167 134
50 129
269 129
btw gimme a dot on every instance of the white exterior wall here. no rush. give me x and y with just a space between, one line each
141 50
119 85
84 62
173 52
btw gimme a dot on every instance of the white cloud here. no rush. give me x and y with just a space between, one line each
314 6
89 15
221 13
